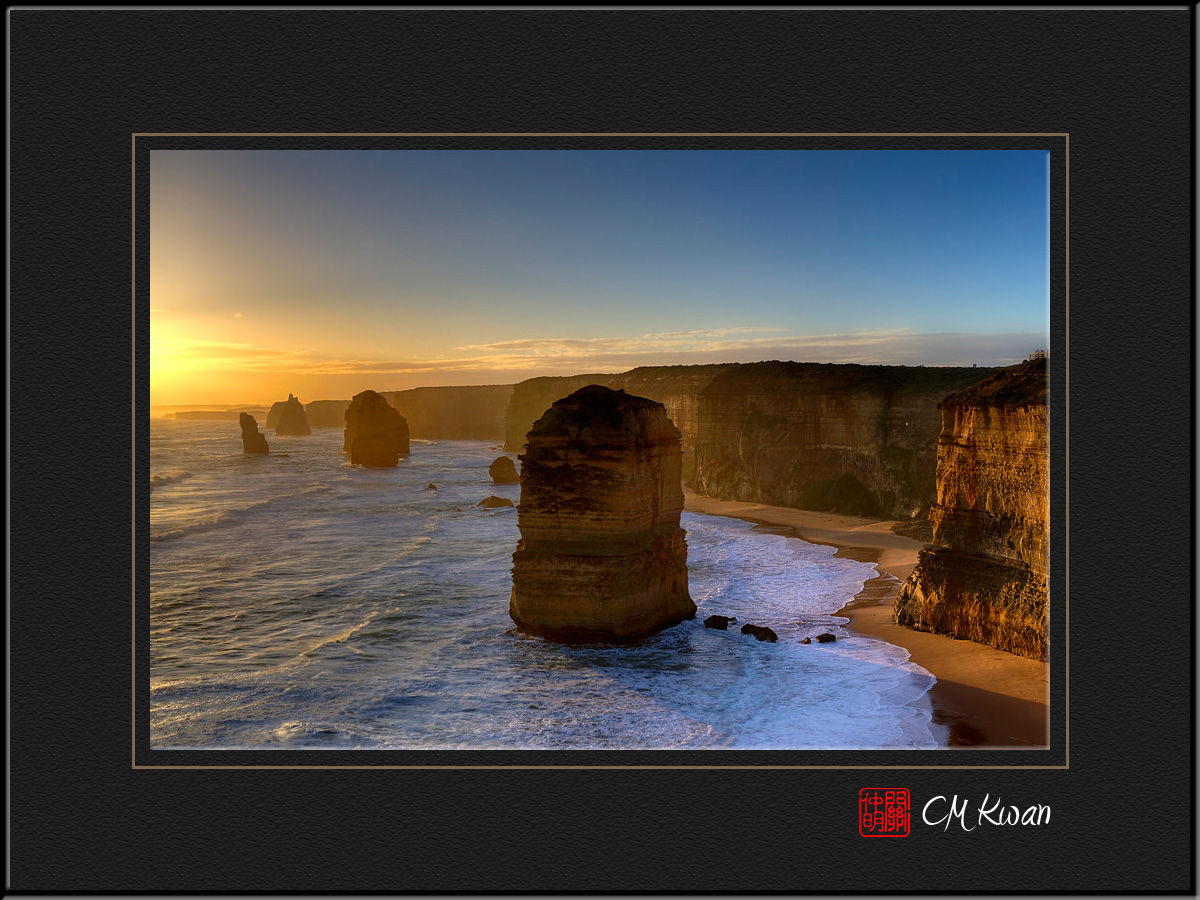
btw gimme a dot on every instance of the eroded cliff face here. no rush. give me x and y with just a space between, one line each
532 397
471 412
856 439
859 440
678 389
601 556
986 577
376 435
325 413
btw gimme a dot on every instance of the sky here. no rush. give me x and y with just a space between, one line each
326 272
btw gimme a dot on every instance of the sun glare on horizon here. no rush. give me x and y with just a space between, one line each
323 273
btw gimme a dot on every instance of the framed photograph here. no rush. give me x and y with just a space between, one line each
745 386
544 480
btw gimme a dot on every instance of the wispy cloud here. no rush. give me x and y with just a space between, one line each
710 332
516 360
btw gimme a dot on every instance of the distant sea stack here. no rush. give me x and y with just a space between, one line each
376 434
986 578
601 555
292 420
253 441
503 471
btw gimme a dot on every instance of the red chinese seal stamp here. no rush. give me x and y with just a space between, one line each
884 812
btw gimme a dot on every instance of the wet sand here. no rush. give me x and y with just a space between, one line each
985 697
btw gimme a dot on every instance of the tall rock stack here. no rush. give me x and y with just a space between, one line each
253 441
601 555
986 577
376 434
292 419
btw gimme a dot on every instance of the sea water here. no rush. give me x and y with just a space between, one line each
301 602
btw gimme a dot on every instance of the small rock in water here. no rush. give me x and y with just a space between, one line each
825 638
806 641
721 622
431 486
494 502
503 471
760 631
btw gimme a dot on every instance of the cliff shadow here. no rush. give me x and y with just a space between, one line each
995 721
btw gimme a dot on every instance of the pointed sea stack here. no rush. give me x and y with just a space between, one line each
986 577
601 555
292 419
253 441
376 434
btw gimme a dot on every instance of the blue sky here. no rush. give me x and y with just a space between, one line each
332 270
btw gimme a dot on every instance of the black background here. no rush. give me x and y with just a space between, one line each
82 818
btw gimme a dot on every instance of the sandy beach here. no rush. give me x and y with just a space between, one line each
986 697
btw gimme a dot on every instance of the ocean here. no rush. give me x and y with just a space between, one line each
299 602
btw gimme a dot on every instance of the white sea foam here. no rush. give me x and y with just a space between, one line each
170 477
302 602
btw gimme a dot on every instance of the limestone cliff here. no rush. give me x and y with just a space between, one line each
532 397
855 439
214 414
376 435
470 412
678 389
291 420
253 441
325 413
601 556
986 577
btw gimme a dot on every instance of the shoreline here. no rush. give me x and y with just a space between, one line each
986 698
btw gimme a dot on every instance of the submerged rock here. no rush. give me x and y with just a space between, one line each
253 441
825 638
806 641
292 420
376 435
503 471
720 622
602 556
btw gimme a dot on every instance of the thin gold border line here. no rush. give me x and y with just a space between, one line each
600 134
602 767
133 285
741 135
